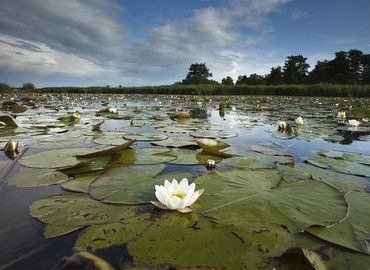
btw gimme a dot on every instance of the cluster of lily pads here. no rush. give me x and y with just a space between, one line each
260 207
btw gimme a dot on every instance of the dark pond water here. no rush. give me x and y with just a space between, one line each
46 125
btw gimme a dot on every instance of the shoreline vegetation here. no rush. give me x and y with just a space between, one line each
328 90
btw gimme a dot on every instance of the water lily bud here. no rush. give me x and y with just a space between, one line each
113 110
11 146
341 115
173 109
210 164
299 121
77 116
184 114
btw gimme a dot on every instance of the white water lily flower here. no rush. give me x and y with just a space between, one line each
341 115
113 110
299 121
282 125
77 116
176 196
353 123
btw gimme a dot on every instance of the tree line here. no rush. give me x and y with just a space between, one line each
352 67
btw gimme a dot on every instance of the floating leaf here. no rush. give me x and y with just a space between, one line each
258 161
175 238
110 138
54 159
132 184
353 232
176 142
145 136
250 195
214 134
213 147
94 165
106 235
52 231
348 156
80 182
340 181
107 151
33 178
8 120
142 156
78 210
342 166
190 157
267 151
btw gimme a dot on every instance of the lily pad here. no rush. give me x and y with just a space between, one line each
353 232
54 159
142 156
145 136
33 178
132 184
340 181
213 147
191 157
249 195
110 138
341 166
52 231
176 142
8 120
349 156
78 210
214 134
175 238
267 151
106 235
258 161
107 151
80 182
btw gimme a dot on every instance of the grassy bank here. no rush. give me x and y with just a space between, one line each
330 90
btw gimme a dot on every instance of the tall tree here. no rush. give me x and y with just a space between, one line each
198 73
227 81
275 76
295 69
28 86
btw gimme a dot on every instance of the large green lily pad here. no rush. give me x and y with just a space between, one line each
340 181
341 166
78 210
132 184
250 195
213 147
80 182
143 156
110 138
195 242
214 134
349 156
36 177
54 159
52 231
353 232
258 161
176 142
106 235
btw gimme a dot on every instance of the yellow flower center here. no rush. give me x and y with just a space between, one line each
178 194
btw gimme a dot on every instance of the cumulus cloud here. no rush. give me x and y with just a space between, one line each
87 38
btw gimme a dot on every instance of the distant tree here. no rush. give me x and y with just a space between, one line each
321 72
295 69
253 79
198 74
227 81
365 78
4 87
275 76
28 86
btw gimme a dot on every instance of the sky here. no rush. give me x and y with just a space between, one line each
154 42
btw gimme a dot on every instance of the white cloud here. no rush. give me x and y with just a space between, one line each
87 38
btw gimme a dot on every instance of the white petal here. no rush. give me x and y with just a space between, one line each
160 197
193 198
173 203
166 183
